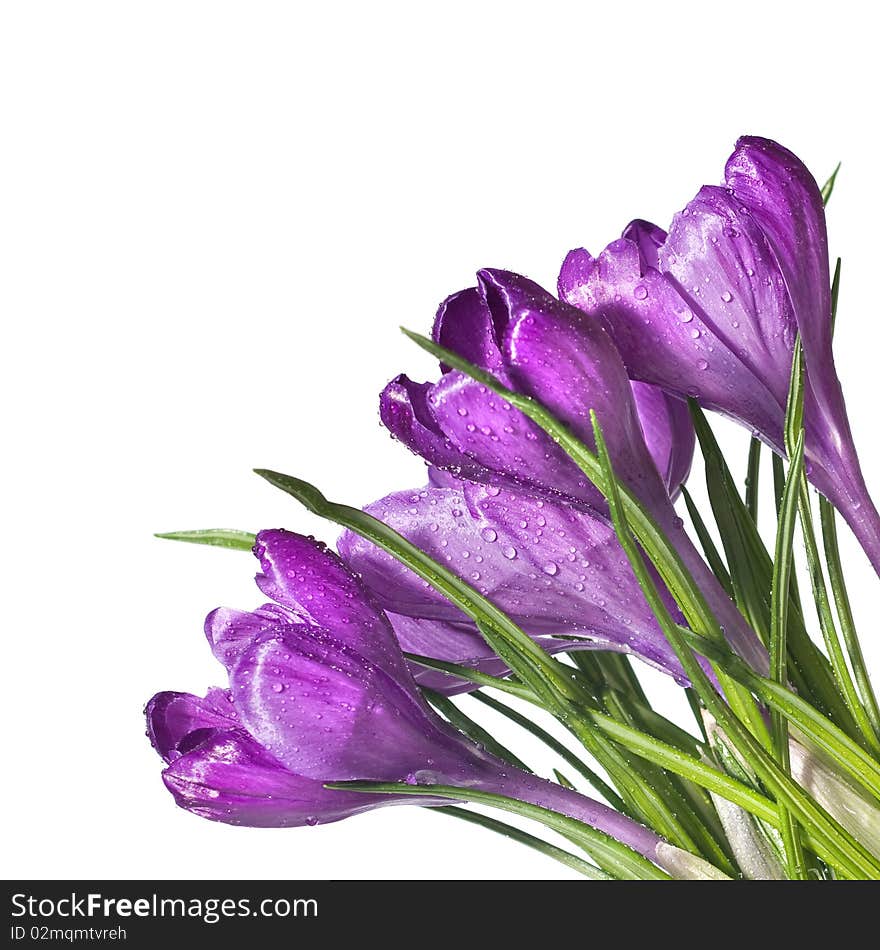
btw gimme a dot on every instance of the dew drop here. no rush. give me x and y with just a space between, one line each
489 534
702 364
641 292
509 553
727 296
551 568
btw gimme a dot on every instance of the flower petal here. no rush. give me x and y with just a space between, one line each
311 581
509 449
663 340
557 572
725 271
464 325
173 717
669 433
325 711
406 413
569 363
648 238
230 632
782 196
229 778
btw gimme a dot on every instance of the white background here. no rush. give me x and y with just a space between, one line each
214 218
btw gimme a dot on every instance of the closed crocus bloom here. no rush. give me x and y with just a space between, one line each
458 426
550 350
319 692
712 310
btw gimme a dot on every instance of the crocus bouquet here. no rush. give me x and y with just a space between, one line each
545 550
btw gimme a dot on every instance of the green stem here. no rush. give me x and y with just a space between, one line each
523 837
794 854
752 479
602 787
615 857
845 616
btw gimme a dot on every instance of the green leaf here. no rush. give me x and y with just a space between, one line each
614 857
719 569
523 837
847 620
782 569
752 574
846 851
828 187
602 787
471 729
217 537
753 478
544 675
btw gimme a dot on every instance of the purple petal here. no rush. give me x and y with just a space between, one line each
229 778
323 710
230 632
569 363
554 570
172 717
725 271
663 340
669 433
648 238
778 191
406 413
311 581
509 449
464 325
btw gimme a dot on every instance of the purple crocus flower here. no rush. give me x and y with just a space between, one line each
458 426
712 310
557 571
319 691
548 349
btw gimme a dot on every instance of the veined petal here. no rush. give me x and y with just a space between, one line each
724 269
557 572
663 340
508 448
311 581
669 433
230 632
406 413
648 238
464 325
229 778
569 363
173 717
782 196
322 709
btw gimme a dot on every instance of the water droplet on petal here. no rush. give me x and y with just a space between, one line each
551 568
727 296
489 534
640 292
509 553
702 364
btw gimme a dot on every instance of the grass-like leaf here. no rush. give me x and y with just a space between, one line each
782 569
216 537
616 858
523 837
